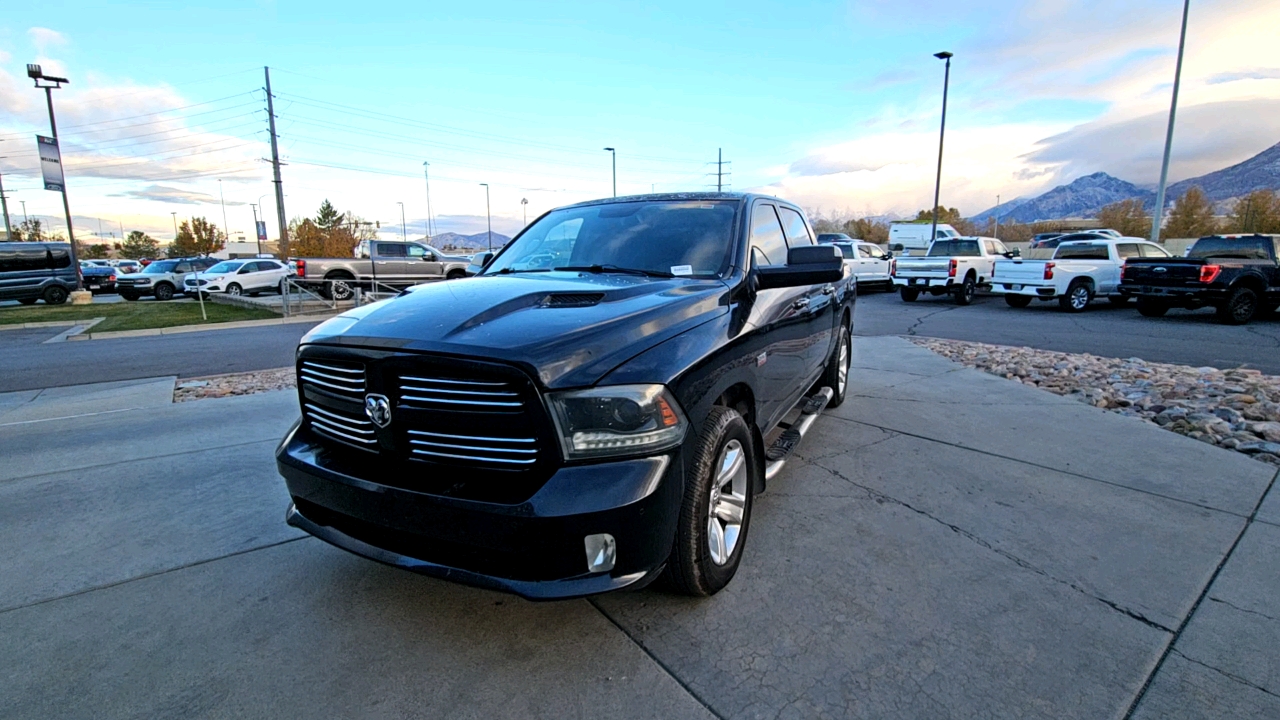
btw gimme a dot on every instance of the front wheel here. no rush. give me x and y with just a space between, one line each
1077 297
1239 308
28 301
909 294
964 294
1148 307
716 512
1017 301
55 295
836 375
164 291
234 290
456 275
129 296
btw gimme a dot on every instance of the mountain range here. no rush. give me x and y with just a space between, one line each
1085 196
478 241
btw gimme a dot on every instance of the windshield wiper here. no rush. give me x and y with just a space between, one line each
508 271
615 269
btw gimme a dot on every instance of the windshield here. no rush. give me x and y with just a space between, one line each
1251 248
157 268
685 238
955 248
224 267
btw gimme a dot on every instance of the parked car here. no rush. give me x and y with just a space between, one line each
1040 238
1054 242
578 429
958 267
98 278
1078 272
396 264
31 271
829 238
238 277
913 237
128 266
1237 275
162 278
866 261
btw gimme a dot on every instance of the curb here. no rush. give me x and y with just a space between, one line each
180 329
42 324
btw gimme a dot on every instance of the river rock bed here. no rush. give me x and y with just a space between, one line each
246 383
1237 409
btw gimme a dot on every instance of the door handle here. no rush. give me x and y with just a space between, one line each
828 290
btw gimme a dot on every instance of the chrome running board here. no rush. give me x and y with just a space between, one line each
777 454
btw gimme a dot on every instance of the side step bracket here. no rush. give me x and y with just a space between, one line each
776 455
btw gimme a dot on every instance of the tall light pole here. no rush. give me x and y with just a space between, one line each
431 231
51 84
997 213
4 207
225 228
524 207
937 187
404 229
488 218
615 169
174 213
24 211
1158 216
256 236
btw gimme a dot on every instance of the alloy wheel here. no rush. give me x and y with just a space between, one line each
842 369
727 507
1079 297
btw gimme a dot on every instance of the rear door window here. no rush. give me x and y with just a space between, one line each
17 257
183 267
390 250
767 244
1149 250
797 232
865 251
1128 250
1091 251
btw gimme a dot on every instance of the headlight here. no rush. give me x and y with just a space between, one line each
617 420
144 281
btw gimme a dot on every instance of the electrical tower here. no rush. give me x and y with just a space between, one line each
720 174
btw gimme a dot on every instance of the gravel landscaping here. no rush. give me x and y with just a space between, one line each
247 383
1236 409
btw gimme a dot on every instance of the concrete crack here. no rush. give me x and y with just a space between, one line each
920 320
1003 553
1224 673
1244 610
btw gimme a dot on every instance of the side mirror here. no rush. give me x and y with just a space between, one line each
807 265
480 261
888 255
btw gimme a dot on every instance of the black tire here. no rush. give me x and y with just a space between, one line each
909 294
455 274
1077 298
234 290
28 301
1119 300
129 296
964 293
691 568
340 287
255 293
838 363
1017 301
164 291
55 295
1239 307
283 287
1147 307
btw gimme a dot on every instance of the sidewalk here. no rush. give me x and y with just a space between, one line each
946 544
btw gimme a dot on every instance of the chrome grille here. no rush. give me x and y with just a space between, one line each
508 451
466 395
342 427
342 379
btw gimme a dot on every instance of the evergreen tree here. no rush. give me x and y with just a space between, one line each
327 218
139 245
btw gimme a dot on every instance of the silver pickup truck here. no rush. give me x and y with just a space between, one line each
393 264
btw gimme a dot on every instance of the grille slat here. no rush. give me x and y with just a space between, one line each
344 381
459 394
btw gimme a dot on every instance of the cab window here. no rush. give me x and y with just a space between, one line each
797 233
1128 250
767 244
391 250
1149 250
417 251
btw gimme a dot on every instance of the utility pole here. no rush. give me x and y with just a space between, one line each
615 169
404 229
225 229
34 72
524 206
275 168
937 187
488 217
256 236
25 219
431 231
997 213
1157 218
720 173
174 213
4 206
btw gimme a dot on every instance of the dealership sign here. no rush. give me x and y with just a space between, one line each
262 229
50 162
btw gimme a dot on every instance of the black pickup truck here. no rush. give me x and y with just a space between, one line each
599 404
1239 275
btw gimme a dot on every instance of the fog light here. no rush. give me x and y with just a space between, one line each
602 551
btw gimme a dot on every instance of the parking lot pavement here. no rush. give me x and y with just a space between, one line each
27 406
946 544
1183 336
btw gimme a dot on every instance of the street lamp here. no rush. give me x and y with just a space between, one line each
937 187
174 213
404 229
615 170
1158 216
51 83
225 229
427 178
524 207
488 218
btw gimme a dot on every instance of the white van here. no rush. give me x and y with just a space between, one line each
912 238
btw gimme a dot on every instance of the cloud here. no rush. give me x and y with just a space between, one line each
162 193
44 39
1256 74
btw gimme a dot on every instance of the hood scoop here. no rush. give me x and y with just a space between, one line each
572 300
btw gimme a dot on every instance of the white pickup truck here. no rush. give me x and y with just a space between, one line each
953 266
1078 272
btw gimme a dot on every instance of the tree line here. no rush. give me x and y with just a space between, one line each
1192 216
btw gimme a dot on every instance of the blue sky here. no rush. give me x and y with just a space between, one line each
832 104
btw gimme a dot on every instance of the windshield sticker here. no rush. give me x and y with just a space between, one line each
681 269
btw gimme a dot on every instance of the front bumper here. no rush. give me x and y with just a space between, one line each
534 549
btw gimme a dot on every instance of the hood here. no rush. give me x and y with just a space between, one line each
566 329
